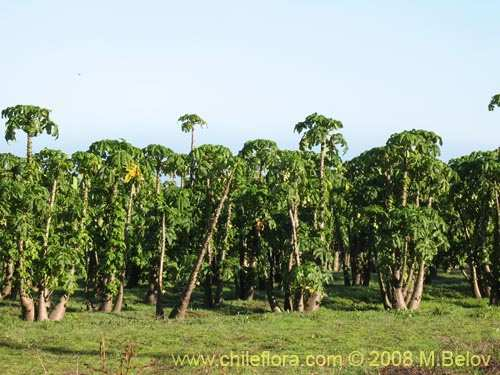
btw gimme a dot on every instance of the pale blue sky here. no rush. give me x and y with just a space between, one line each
253 69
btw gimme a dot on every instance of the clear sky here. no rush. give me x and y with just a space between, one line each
252 69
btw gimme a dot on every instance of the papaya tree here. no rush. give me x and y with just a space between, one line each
253 217
56 259
474 197
399 213
189 122
28 201
319 130
494 102
10 169
167 215
115 190
294 190
214 170
365 187
157 157
30 119
86 169
173 214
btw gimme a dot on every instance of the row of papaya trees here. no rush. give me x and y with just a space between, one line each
278 221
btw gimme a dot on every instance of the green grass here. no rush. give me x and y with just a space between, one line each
350 319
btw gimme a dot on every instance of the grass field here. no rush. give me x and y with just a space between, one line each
351 319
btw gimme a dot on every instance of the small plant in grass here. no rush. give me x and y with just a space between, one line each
310 280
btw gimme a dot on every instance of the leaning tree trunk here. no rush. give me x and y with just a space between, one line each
474 281
384 291
179 312
58 312
221 257
160 313
495 277
298 300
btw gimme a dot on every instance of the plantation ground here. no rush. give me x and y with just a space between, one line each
351 319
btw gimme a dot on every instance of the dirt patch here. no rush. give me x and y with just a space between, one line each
395 370
493 368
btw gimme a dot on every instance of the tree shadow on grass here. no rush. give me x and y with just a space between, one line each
352 298
447 286
58 350
231 309
453 288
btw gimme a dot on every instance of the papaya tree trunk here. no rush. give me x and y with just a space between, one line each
384 292
59 310
495 275
336 261
106 298
151 297
192 139
8 279
397 290
271 298
343 253
52 201
160 313
288 304
179 312
418 289
208 281
298 302
409 286
251 275
312 302
119 299
27 304
219 279
474 281
118 306
29 148
43 305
